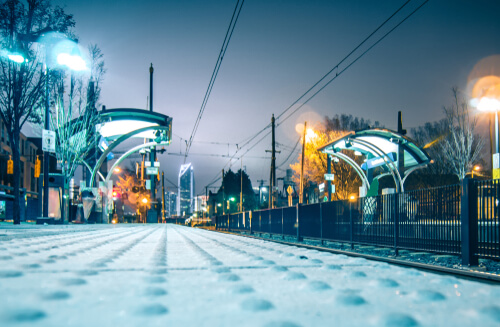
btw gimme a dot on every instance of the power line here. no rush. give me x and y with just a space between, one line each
344 59
348 66
291 152
227 38
249 140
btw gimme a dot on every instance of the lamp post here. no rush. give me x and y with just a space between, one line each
74 62
59 43
486 97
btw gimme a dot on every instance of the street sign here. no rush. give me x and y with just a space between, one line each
48 141
151 170
496 166
333 188
329 177
321 187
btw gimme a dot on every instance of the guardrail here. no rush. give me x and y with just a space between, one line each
457 219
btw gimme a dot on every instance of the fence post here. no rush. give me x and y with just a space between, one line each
270 221
351 226
228 222
282 224
469 223
250 217
216 222
396 223
297 221
321 222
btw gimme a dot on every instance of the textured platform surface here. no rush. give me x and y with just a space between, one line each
168 275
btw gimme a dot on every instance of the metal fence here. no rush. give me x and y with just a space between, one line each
457 219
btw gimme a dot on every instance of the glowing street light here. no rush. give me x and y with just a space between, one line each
145 200
486 97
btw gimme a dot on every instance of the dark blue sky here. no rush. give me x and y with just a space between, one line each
278 50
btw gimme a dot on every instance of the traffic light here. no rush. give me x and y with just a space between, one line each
10 166
116 193
37 167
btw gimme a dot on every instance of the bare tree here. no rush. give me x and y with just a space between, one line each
74 117
462 147
22 84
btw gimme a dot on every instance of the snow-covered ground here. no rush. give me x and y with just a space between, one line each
168 275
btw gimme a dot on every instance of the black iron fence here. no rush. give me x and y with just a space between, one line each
458 219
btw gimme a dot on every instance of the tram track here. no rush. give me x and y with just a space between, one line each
462 273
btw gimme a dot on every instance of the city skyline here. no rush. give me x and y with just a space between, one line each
278 50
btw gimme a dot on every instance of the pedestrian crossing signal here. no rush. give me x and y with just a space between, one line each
37 167
10 166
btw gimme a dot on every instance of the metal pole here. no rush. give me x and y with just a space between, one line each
45 209
241 186
496 131
152 155
329 171
223 195
163 197
301 189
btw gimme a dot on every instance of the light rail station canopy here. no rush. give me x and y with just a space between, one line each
381 148
370 142
121 121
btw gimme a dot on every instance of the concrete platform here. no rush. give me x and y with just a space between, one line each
171 275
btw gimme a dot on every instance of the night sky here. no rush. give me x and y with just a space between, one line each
278 50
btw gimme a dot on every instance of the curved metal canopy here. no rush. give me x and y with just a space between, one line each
381 147
385 140
120 121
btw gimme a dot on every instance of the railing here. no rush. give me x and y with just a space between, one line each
423 220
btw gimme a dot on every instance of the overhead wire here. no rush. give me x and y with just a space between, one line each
225 44
249 140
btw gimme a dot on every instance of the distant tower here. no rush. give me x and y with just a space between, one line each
186 190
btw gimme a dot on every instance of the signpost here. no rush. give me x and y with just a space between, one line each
329 177
151 170
496 166
289 190
48 141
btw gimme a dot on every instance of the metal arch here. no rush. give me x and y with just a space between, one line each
411 170
120 140
399 185
355 166
128 153
90 169
381 175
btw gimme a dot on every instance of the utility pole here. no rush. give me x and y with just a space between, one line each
301 189
223 195
162 198
272 177
152 215
401 131
241 186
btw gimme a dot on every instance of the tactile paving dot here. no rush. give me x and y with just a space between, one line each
170 272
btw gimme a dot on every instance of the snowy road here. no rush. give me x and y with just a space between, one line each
168 275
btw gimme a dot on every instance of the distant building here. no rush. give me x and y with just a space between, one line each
200 203
171 204
185 200
28 151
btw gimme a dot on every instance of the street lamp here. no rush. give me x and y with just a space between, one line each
67 54
486 97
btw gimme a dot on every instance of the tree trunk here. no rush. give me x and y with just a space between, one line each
16 157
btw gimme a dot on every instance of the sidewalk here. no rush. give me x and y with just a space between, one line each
170 275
